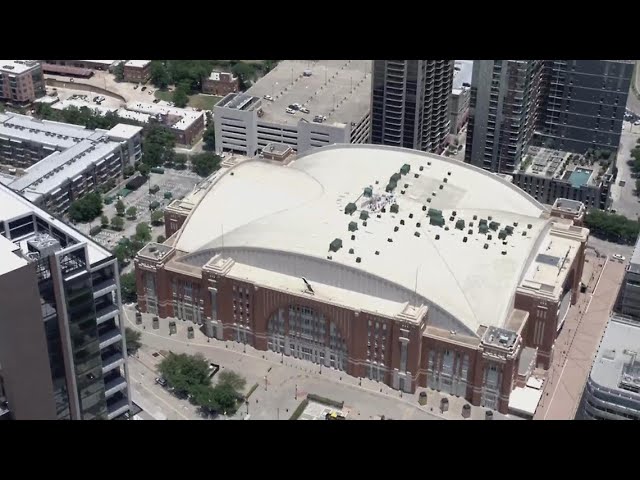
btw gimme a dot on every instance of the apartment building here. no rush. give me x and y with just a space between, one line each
502 113
62 342
137 71
56 163
583 103
304 104
21 81
410 103
220 83
548 174
460 95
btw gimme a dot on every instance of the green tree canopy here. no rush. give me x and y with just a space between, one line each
185 372
86 208
120 207
118 71
180 97
157 217
104 221
613 227
160 239
117 223
128 290
143 232
209 137
132 212
205 163
232 379
132 338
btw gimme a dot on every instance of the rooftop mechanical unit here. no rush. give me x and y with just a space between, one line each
335 245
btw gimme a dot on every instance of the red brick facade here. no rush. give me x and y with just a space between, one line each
221 84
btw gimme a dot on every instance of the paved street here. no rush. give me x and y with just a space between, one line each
284 381
624 198
577 344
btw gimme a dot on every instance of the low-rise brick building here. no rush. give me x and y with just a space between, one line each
220 83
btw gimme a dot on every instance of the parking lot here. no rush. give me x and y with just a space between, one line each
178 182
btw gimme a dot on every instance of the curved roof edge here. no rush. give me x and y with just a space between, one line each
213 251
448 160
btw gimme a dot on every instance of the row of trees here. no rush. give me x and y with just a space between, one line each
188 75
188 375
612 227
81 116
86 208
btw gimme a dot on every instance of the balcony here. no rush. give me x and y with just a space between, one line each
111 362
113 386
117 408
110 337
106 313
104 287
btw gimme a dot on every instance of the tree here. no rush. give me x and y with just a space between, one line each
117 223
226 397
143 232
245 73
232 379
128 290
159 74
204 164
157 217
120 252
120 207
185 373
132 338
144 169
180 161
104 221
131 213
128 171
160 239
616 228
86 208
209 138
180 97
118 71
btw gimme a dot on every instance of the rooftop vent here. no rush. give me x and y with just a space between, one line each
490 217
368 191
437 237
417 234
351 251
377 252
424 208
405 169
329 257
482 221
529 226
464 240
515 224
396 228
350 208
429 163
475 217
401 222
335 245
445 179
469 232
448 173
451 219
364 215
418 225
429 200
416 175
502 234
460 224
486 246
406 185
364 224
441 187
504 252
353 237
524 234
509 229
494 225
391 186
358 259
421 168
395 177
489 237
353 226
389 239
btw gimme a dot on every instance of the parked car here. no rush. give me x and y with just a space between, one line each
143 89
161 381
618 257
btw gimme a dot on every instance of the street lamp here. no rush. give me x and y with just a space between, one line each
296 394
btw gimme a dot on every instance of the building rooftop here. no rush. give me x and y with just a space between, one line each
299 209
124 130
55 134
100 109
463 71
137 63
216 76
573 168
106 63
17 66
9 261
337 89
180 118
569 206
47 175
13 205
617 364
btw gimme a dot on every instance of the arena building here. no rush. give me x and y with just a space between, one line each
387 263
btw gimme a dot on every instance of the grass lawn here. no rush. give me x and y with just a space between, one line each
205 102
